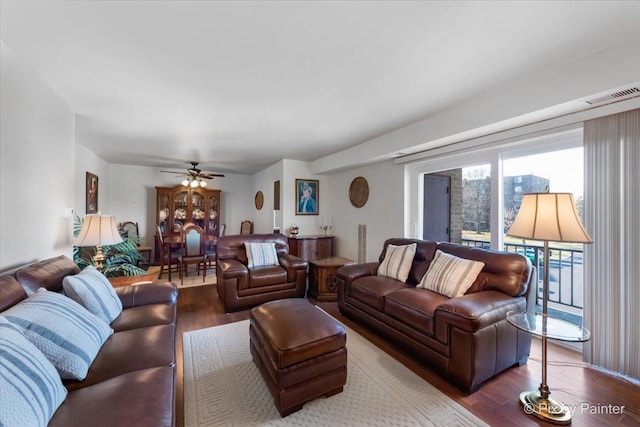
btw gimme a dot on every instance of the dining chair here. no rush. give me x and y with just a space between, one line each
193 241
167 257
246 227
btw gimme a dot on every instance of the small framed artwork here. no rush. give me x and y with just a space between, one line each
92 193
307 196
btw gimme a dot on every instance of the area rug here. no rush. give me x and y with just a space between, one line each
222 387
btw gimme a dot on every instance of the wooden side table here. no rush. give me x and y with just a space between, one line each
119 281
323 281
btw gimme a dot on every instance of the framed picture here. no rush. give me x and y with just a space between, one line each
307 196
92 193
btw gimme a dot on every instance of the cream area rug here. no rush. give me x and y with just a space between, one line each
222 387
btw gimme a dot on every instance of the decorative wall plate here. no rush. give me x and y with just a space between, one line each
359 192
259 200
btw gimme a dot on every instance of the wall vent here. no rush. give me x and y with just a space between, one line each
616 96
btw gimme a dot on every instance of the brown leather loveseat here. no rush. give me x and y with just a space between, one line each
132 380
466 339
242 287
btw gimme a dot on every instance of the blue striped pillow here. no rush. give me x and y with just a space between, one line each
68 335
31 387
92 290
261 254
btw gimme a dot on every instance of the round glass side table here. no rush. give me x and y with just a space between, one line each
538 402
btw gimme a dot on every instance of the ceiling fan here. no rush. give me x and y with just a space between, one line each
194 177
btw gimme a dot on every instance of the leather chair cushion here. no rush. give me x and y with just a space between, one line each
371 290
11 292
266 276
46 274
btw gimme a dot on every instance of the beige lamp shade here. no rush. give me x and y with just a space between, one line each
98 230
549 216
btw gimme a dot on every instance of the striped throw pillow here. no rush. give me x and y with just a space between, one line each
92 290
261 254
31 387
397 262
450 275
66 333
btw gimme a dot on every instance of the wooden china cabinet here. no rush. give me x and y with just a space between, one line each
175 206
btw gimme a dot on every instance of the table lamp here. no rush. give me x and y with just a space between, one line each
98 231
547 217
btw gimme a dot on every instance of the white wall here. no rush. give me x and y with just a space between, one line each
382 214
263 221
37 152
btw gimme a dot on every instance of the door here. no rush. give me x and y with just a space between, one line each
437 208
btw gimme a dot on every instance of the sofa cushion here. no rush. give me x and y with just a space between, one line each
67 334
371 290
261 254
397 262
415 308
449 275
144 316
144 398
31 387
130 351
92 290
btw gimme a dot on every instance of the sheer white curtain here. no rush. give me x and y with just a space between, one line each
612 262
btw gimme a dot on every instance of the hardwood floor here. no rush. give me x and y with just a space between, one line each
571 381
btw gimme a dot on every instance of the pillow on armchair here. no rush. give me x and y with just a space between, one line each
261 254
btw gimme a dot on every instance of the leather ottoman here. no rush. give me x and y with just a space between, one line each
299 350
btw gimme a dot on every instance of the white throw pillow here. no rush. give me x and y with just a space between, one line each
261 254
92 290
66 333
397 261
450 275
31 387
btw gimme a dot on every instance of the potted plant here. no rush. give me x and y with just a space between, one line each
121 259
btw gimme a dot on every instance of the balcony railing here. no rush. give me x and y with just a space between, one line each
565 276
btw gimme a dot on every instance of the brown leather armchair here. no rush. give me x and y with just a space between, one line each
242 287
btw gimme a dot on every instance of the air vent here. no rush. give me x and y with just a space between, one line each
616 96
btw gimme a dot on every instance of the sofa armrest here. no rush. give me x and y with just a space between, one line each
349 273
292 264
133 296
473 312
230 268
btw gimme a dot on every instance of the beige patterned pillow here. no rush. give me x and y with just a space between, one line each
450 275
397 261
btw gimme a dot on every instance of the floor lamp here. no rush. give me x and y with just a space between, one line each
547 217
98 231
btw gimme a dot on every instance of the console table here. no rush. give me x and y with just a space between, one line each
323 281
120 281
311 247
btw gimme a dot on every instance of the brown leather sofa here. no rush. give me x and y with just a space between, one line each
240 287
465 339
132 380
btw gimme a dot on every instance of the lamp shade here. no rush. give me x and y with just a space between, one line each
98 230
549 216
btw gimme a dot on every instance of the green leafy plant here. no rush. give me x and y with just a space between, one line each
121 259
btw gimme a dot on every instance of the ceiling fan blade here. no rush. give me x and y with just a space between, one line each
211 175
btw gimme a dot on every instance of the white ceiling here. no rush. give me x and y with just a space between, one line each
241 85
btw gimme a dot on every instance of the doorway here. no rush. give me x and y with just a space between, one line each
436 216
